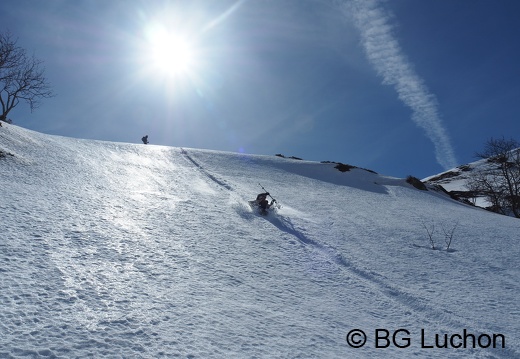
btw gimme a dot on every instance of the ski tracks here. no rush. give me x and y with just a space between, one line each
414 305
376 282
236 200
212 177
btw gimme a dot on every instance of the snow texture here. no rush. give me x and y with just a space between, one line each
138 251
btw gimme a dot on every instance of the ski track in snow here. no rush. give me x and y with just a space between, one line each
132 251
418 306
209 175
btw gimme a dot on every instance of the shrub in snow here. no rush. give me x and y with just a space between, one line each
5 154
448 235
343 167
292 157
430 231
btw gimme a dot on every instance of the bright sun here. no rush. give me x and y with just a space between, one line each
170 53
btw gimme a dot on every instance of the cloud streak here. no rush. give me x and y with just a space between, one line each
385 54
222 17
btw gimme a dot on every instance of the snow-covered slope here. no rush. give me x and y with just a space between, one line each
122 250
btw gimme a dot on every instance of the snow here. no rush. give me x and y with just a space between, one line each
140 251
458 179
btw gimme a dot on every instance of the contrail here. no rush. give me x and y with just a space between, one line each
224 15
385 54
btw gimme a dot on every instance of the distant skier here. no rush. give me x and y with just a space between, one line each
145 139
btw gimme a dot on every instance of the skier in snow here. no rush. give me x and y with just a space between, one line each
262 201
145 139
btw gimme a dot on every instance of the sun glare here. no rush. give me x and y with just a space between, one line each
169 53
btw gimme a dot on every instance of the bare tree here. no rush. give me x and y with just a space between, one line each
21 77
500 182
430 231
448 235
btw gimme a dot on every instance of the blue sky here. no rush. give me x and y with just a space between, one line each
400 86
